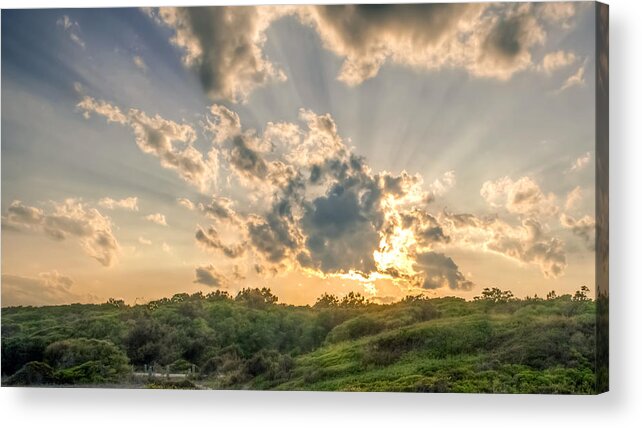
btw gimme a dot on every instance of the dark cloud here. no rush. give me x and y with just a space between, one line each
245 160
438 270
425 227
224 46
220 208
210 240
208 275
583 227
275 235
341 233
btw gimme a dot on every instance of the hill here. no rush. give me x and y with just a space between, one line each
495 343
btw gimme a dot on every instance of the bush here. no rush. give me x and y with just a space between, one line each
355 328
270 364
32 373
87 361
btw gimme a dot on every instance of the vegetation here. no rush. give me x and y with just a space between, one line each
495 343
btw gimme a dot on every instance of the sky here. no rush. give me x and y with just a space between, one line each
389 150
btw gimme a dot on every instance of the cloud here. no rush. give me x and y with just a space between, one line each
186 203
156 136
275 236
166 248
220 209
208 275
440 271
306 201
581 162
68 219
110 112
492 41
170 142
559 13
583 227
576 79
526 243
48 288
130 203
224 45
573 198
210 240
441 186
523 196
139 62
157 218
144 241
426 228
72 29
341 232
554 61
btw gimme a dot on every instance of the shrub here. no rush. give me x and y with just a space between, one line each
87 361
32 373
355 328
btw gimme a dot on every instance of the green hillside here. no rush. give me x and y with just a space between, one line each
495 343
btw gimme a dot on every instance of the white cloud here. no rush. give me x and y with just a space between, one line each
576 79
130 203
581 162
72 29
144 241
48 288
184 202
573 198
68 219
140 62
112 113
554 61
442 185
523 196
527 243
170 142
157 218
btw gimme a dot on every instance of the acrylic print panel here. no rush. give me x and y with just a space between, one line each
344 198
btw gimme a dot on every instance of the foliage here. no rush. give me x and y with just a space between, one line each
495 295
87 361
32 373
496 343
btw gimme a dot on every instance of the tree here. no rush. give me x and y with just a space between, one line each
551 295
495 295
86 361
256 298
143 341
581 295
327 301
116 303
353 300
217 295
